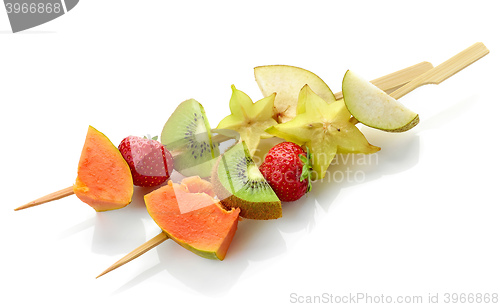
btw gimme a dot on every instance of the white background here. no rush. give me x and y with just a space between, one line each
425 219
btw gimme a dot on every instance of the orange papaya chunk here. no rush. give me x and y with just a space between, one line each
196 185
104 180
193 219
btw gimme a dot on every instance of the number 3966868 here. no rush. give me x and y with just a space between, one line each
33 8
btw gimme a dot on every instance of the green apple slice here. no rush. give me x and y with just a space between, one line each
287 81
375 108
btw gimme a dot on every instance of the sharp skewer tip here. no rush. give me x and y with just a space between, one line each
47 198
160 238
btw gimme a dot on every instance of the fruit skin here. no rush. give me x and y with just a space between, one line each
262 206
286 169
104 180
150 162
193 219
375 108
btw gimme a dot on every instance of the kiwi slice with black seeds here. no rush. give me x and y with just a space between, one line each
187 136
238 183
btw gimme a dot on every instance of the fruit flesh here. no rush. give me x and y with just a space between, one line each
238 183
186 134
104 179
373 107
196 185
194 220
287 81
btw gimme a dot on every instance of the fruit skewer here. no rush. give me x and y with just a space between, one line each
388 83
432 76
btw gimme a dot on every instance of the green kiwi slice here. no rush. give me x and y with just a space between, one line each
238 183
187 136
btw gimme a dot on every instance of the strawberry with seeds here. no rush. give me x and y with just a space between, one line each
150 162
286 168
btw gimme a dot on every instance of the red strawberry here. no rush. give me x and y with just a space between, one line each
150 162
287 169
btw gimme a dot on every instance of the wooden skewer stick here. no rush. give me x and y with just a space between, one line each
387 83
160 238
45 199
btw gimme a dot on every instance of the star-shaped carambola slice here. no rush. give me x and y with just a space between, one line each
249 119
325 129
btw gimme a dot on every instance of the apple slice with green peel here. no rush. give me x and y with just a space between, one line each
249 119
375 108
324 128
287 81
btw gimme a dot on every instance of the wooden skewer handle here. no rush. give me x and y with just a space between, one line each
50 197
160 238
445 70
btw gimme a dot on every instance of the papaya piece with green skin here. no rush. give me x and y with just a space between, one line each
104 180
190 216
